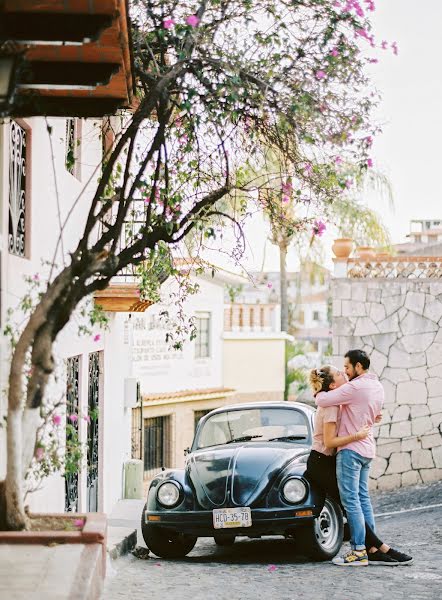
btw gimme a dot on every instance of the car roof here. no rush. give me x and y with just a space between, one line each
306 408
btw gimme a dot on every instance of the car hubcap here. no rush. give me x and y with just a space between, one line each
327 526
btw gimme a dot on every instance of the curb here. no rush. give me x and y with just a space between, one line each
121 541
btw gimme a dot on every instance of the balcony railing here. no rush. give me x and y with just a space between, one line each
252 318
395 267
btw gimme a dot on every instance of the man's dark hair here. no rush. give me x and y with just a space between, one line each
358 356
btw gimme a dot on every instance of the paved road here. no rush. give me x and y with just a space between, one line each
269 569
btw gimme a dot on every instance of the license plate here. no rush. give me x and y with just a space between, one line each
227 518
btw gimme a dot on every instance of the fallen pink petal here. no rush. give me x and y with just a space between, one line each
192 20
272 568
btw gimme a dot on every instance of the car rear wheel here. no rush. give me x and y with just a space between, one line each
224 540
164 542
323 539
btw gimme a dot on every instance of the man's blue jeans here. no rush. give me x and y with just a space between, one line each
352 473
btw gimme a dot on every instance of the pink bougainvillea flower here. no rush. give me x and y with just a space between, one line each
270 285
348 183
78 522
73 418
338 160
320 74
36 277
370 5
87 418
384 45
39 453
286 199
271 568
168 23
286 187
318 228
395 48
192 20
369 162
56 419
369 140
334 52
373 61
97 337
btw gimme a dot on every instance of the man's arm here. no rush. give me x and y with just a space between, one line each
342 395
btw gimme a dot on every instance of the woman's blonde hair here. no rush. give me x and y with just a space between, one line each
320 379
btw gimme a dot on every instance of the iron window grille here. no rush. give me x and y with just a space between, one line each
18 201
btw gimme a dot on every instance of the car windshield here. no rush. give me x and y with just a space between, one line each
254 424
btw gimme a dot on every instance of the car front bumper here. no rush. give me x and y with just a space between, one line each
265 521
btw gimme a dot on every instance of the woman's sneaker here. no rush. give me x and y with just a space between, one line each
400 557
354 558
382 559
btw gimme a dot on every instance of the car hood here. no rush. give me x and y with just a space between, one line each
237 474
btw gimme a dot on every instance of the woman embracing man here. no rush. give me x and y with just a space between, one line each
348 405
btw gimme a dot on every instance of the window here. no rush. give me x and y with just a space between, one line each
202 339
72 152
315 315
19 140
156 444
301 318
199 414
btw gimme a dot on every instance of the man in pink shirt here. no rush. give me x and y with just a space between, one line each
361 401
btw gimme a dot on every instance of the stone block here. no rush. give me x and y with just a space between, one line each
409 444
438 338
384 431
351 308
414 323
392 303
342 290
378 362
432 441
435 289
435 371
392 288
377 312
434 386
372 484
337 308
418 373
411 392
437 456
373 295
415 301
359 291
429 475
389 325
342 326
434 355
386 450
401 413
399 462
418 342
433 310
421 425
389 482
419 410
384 341
378 467
401 359
422 459
402 313
395 375
390 391
435 404
410 478
401 429
365 326
436 420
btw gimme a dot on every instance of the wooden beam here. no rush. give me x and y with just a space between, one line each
66 75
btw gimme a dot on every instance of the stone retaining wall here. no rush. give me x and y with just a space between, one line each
398 323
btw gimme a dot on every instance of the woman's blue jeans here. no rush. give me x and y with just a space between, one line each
352 471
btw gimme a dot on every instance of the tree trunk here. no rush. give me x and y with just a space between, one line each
15 511
283 287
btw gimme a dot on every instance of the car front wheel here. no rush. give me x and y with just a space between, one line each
323 538
164 542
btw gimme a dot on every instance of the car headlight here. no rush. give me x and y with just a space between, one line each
168 493
294 490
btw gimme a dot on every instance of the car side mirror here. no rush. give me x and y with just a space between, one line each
186 451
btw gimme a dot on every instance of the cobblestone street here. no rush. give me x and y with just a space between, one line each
269 568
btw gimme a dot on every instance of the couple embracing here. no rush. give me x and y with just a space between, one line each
349 404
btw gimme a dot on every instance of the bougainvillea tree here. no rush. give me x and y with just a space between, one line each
217 80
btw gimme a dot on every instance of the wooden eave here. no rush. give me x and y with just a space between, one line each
77 56
122 297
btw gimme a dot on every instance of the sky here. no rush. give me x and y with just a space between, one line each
409 150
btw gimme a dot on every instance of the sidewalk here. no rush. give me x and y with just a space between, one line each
122 536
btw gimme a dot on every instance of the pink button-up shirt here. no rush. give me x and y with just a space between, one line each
361 401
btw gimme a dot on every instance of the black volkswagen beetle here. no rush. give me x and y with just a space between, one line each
244 476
